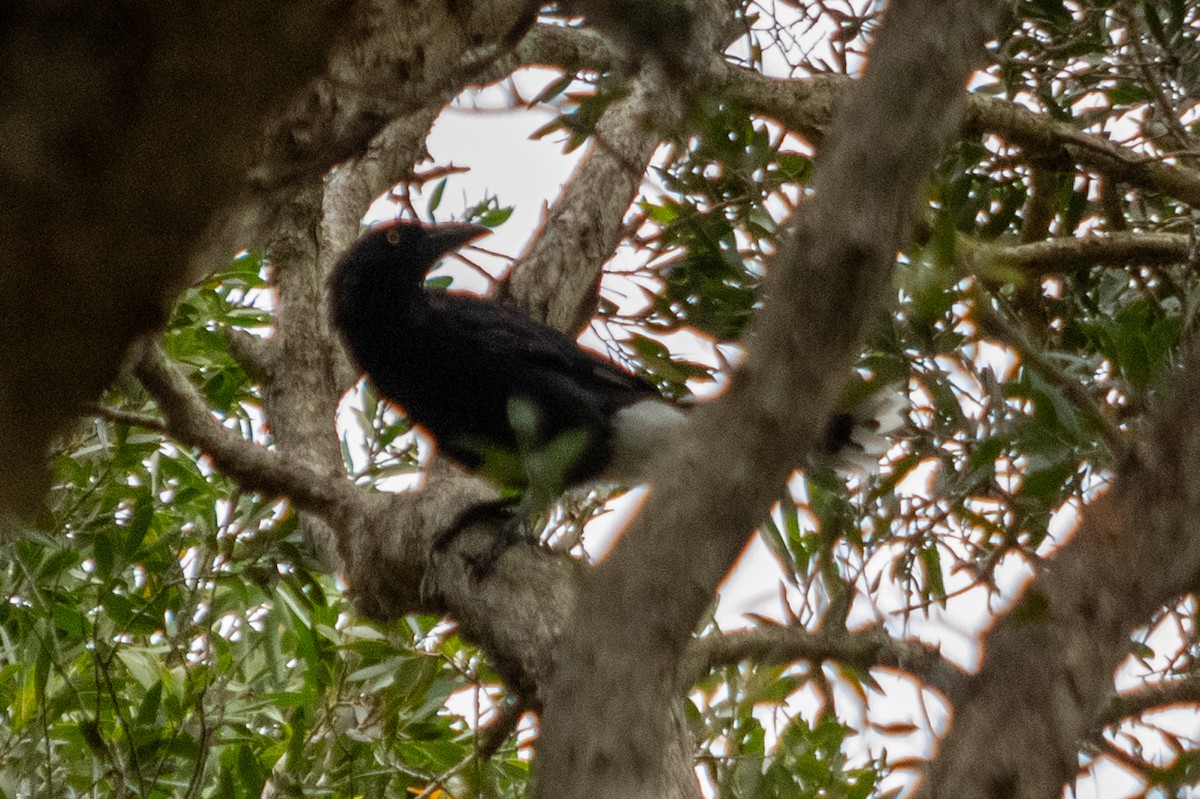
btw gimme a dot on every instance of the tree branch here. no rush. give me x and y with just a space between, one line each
1040 205
398 57
1147 698
119 416
254 468
557 278
605 717
301 397
865 649
1047 679
1051 138
516 612
1055 256
806 106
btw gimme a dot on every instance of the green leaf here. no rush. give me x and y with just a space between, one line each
494 217
931 560
435 199
554 88
144 665
1046 484
1154 23
147 714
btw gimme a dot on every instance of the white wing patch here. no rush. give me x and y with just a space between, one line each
639 431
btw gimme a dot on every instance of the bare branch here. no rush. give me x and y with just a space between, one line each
403 56
557 278
254 468
863 649
1047 137
1041 203
301 397
1176 135
1152 697
311 370
1069 253
566 48
130 418
806 106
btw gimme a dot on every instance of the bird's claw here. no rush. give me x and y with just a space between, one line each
506 524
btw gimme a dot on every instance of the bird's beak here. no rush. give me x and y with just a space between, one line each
450 236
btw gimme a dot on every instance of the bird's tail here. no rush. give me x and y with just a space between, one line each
859 435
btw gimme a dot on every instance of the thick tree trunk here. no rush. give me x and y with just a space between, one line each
125 127
607 728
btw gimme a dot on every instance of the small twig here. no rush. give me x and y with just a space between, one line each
421 178
492 736
130 418
1135 764
990 321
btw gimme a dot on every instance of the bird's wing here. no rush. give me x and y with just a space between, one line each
505 332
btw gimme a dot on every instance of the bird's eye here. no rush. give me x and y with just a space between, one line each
393 236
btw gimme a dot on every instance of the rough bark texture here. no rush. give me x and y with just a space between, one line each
558 278
604 726
1047 679
301 392
517 614
396 57
125 127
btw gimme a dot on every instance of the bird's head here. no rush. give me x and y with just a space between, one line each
413 247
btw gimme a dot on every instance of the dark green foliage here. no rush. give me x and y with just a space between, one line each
172 638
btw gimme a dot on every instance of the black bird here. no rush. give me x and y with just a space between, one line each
501 394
